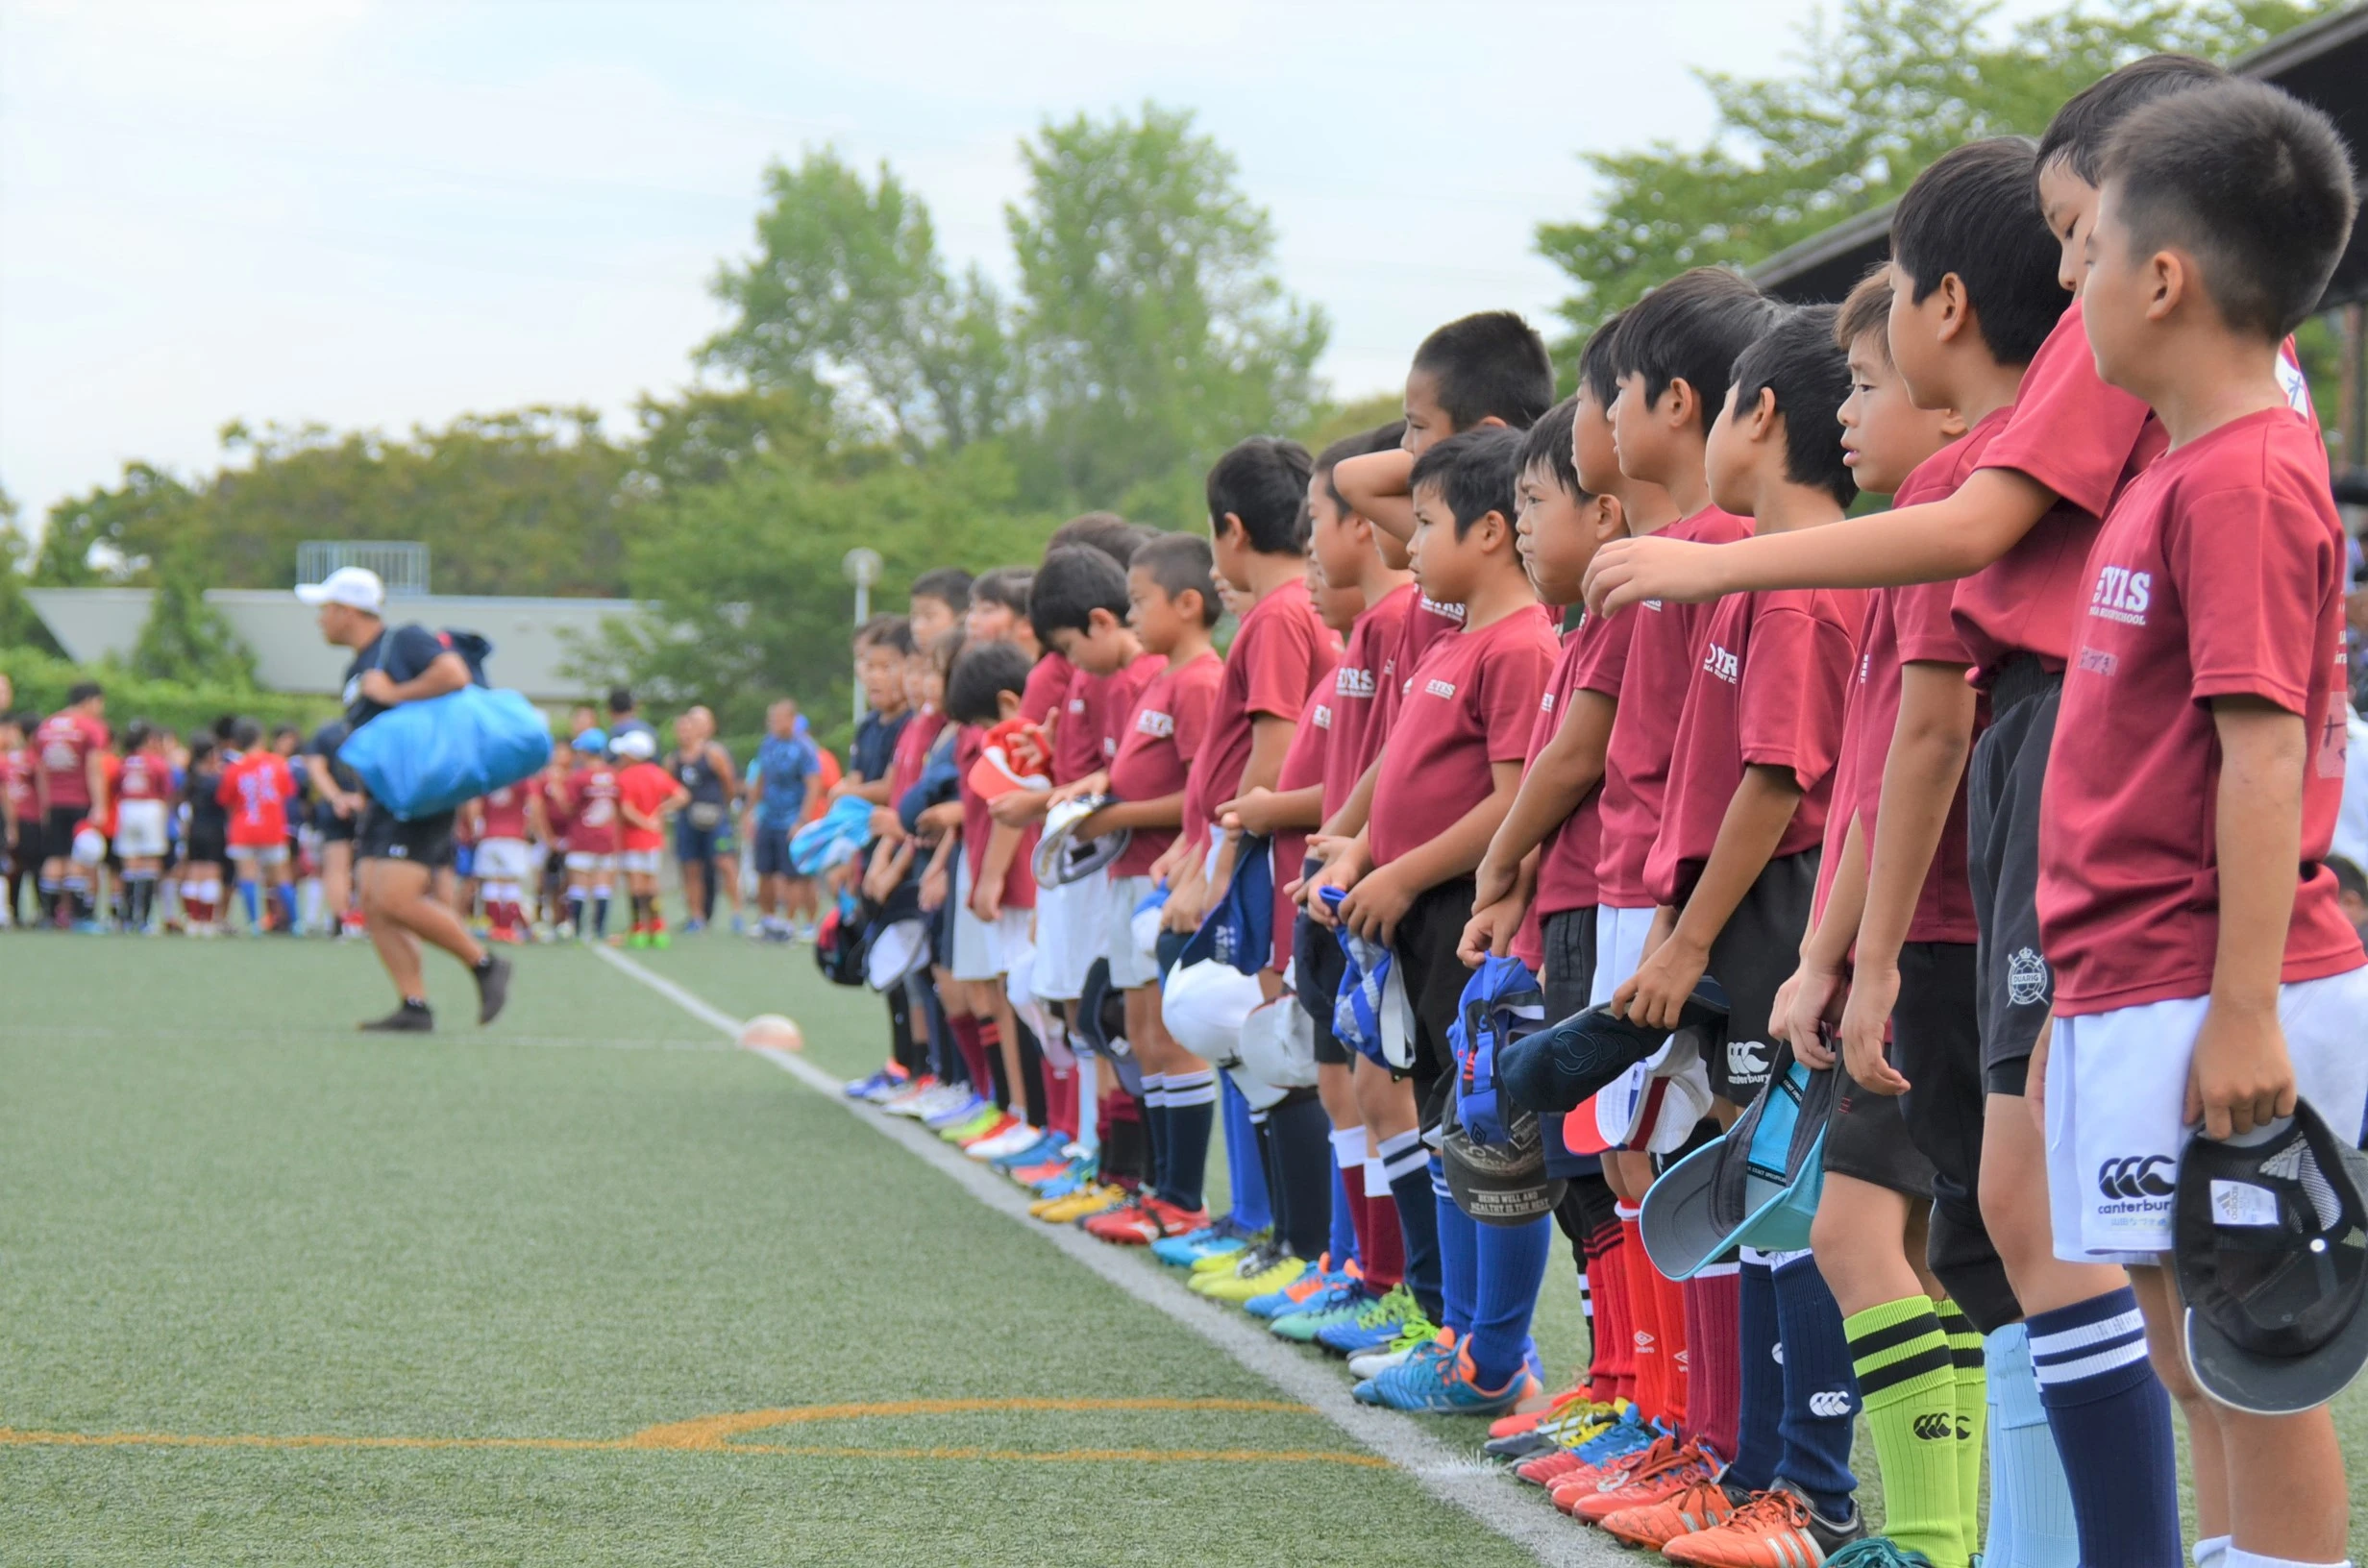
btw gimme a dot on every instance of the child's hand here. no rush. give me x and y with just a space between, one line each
1628 572
946 816
1017 808
933 890
886 824
1865 1029
1342 869
1492 882
1808 1001
1658 992
1491 930
987 900
2241 1077
1252 813
1379 901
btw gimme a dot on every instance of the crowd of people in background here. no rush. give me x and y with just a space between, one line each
237 830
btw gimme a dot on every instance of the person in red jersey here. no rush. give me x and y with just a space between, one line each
20 817
505 829
69 784
257 787
143 793
594 836
646 793
550 817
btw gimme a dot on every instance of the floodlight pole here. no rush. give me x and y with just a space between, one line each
862 565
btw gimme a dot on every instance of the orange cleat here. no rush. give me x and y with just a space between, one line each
1778 1528
1675 1469
1698 1507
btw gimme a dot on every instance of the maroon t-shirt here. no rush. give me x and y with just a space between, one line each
1076 740
1768 691
1047 689
1120 691
1167 731
1593 658
969 744
1469 703
1282 649
2220 572
1427 620
1357 682
62 744
1664 648
1302 766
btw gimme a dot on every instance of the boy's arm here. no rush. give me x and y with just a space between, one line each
1160 811
1754 825
1268 811
987 898
1813 993
1493 926
1350 821
1381 899
1569 765
1939 540
1927 758
1378 487
2241 1077
1270 740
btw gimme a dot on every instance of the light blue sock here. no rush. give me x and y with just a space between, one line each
1244 1169
1342 1241
1458 1255
250 895
287 904
2030 1523
1510 1266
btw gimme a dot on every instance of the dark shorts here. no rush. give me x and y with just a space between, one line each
58 831
1317 965
2016 987
205 848
1753 958
1867 1138
771 849
697 845
333 828
1435 977
1568 935
423 840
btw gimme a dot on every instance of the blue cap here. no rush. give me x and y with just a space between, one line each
592 743
1240 931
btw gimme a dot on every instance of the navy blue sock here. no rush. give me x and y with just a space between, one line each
1192 1115
1820 1388
1757 1444
2112 1426
1342 1240
1458 1255
1511 1267
1301 1175
1407 1167
1244 1169
1157 1131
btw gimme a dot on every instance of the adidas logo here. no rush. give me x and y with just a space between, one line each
1834 1402
2287 1162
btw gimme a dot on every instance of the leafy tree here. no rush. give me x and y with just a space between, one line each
185 639
19 626
1875 96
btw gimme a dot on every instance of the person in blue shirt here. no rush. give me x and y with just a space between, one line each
779 782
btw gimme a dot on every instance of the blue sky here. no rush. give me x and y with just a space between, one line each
376 214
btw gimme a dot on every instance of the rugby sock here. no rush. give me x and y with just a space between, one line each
1031 1075
1757 1444
1820 1395
1381 1251
599 912
52 896
1907 1382
1192 1115
77 897
249 896
1350 1222
1671 1305
1303 1177
577 899
1248 1176
2112 1426
1407 1167
2030 1521
1652 1395
1156 1128
1970 1387
1459 1255
287 906
1714 1358
2211 1550
1612 1367
991 1051
964 1028
1085 1096
1279 1197
1512 1262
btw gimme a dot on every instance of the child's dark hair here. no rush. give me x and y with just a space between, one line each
1004 586
2077 135
2255 184
1798 360
1598 371
82 692
1380 438
1180 563
1547 446
1491 364
1867 309
1106 531
893 632
948 585
1475 473
1689 330
1975 213
947 647
136 735
982 674
245 734
202 748
1074 581
1263 481
2349 877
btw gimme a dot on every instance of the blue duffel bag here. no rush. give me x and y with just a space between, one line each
420 758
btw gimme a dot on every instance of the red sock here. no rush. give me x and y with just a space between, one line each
1673 1357
1061 1101
1714 1358
964 1027
1612 1370
1652 1395
1381 1244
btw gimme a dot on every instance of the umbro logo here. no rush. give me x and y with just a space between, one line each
1441 689
2136 1176
1834 1402
1152 721
1776 1353
1644 1341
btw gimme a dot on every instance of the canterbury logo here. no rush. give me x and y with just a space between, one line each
1832 1403
1153 721
1745 1063
2136 1176
1940 1427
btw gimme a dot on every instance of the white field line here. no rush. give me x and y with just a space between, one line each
1480 1490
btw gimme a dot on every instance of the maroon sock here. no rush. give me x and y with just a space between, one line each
1713 1359
964 1027
1061 1101
1385 1264
1612 1363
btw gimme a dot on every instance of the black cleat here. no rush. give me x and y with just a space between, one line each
492 987
410 1018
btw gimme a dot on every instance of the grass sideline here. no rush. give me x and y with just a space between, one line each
486 1262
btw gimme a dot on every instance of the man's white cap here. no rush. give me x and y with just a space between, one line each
355 586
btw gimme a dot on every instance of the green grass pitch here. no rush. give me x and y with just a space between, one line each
588 1288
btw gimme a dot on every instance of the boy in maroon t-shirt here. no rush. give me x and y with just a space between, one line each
2202 985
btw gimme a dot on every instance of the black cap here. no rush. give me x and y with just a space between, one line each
2270 1241
1561 1067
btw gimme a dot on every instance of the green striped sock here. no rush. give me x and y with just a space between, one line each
1907 1388
1972 1415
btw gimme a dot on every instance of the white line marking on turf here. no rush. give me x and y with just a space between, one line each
1480 1490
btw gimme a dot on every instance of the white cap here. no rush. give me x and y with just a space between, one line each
637 744
355 586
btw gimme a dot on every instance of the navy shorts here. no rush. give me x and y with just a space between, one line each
771 849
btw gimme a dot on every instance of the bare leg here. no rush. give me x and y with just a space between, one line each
2014 1207
1860 1241
396 893
1387 1104
2215 1465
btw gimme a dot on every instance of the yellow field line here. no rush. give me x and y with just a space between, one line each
706 1434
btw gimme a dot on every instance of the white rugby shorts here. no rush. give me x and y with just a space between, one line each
501 860
1133 963
583 860
1073 929
139 829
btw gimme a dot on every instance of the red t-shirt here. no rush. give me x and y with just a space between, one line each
63 742
505 812
16 781
1470 702
644 786
2220 572
558 808
1122 689
969 744
1593 658
593 825
1076 739
1427 620
1164 737
912 753
1302 766
1357 682
257 788
1768 690
144 778
1664 648
1045 694
1282 649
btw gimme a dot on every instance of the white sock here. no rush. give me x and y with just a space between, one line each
2237 1557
